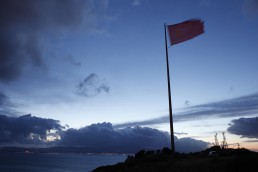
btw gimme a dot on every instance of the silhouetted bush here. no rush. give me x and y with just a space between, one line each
166 151
140 154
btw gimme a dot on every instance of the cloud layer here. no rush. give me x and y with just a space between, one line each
101 137
236 107
245 127
104 136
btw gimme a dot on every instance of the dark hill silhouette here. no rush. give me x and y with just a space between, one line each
226 160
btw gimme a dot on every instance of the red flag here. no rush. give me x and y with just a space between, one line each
184 31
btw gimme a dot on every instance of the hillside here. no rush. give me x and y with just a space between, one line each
227 160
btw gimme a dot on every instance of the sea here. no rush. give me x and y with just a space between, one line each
46 162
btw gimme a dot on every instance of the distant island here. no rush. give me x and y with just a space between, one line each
213 159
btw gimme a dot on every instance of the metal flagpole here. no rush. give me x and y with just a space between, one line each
169 96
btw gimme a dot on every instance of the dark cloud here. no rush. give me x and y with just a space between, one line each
180 133
92 85
245 127
187 102
250 8
236 107
240 106
188 144
71 60
26 24
6 106
160 120
101 137
26 129
104 137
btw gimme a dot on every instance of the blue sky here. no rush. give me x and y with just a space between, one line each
86 62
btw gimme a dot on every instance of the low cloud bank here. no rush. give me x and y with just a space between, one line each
105 137
100 137
26 129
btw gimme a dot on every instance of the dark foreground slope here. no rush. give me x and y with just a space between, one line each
229 160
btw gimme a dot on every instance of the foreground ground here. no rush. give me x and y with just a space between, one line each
226 160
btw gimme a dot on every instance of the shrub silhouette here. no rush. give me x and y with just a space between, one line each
140 154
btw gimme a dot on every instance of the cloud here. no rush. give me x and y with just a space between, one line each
136 2
104 137
250 8
26 129
27 24
154 121
4 100
180 133
71 60
6 106
187 103
100 137
240 106
245 127
236 107
205 3
92 85
250 141
188 144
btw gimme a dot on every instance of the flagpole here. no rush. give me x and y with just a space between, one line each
169 96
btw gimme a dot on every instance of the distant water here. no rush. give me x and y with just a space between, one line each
38 162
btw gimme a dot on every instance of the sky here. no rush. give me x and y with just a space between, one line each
70 69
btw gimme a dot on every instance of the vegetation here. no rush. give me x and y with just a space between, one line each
226 160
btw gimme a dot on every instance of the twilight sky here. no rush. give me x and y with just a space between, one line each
78 66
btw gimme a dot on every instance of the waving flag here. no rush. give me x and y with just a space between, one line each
184 31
